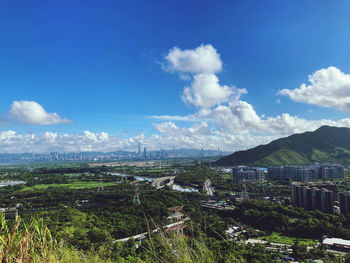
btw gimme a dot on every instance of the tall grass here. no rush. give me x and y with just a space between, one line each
32 243
176 247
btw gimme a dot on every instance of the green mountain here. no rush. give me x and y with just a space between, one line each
326 144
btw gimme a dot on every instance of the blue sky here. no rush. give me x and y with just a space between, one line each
102 67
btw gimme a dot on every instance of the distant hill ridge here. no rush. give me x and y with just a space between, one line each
326 144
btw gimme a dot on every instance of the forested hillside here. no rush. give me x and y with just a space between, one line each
326 144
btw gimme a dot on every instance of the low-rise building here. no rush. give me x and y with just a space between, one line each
337 243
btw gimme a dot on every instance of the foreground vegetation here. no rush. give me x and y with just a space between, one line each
85 221
33 242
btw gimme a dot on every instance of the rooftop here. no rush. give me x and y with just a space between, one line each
336 241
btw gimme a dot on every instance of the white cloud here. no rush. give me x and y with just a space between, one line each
237 131
328 88
175 117
236 119
31 112
14 142
203 59
201 64
169 135
222 119
206 92
241 118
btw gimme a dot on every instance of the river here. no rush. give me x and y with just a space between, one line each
176 186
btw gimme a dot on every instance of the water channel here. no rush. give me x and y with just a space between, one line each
10 183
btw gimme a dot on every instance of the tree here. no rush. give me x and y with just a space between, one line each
98 236
299 250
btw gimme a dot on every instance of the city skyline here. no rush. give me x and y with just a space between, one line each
87 76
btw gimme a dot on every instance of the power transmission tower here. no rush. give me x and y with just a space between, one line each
100 187
244 195
176 217
136 199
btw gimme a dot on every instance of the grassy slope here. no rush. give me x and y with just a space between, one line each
325 144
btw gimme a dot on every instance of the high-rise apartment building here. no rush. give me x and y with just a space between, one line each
305 173
314 197
344 202
244 173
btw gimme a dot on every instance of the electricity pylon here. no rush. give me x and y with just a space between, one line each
136 199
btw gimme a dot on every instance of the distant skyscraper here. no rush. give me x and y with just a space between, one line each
144 153
139 152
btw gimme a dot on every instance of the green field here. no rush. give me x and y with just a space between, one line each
72 185
226 176
277 238
73 174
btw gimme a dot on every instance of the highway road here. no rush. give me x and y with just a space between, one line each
160 182
208 188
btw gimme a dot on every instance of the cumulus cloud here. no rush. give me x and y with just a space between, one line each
241 118
222 118
236 131
14 142
234 118
206 92
328 87
31 112
203 59
200 65
169 134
